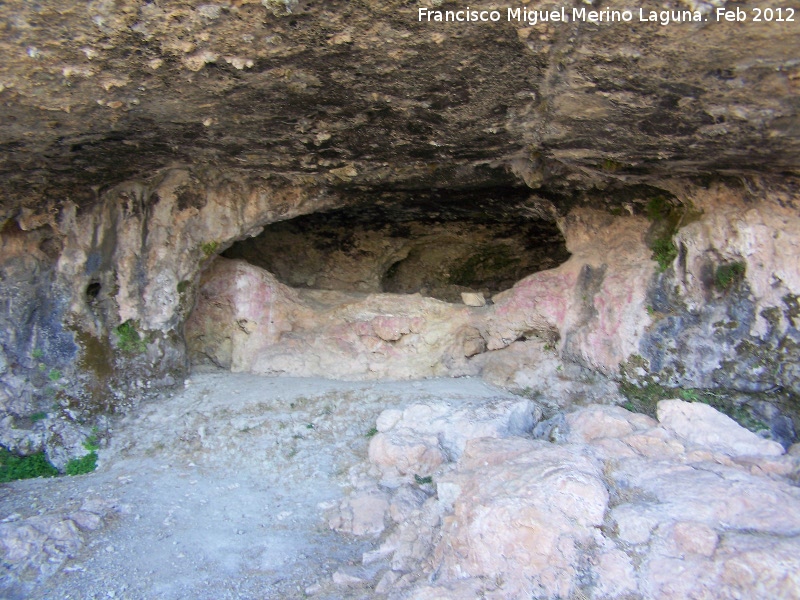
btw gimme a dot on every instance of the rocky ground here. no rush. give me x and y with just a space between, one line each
218 492
242 486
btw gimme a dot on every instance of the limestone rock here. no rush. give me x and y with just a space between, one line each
473 299
705 426
620 500
424 436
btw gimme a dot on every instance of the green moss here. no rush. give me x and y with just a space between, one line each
209 248
13 467
727 275
658 208
610 165
128 339
644 399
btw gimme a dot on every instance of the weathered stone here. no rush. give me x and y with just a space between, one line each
473 299
703 425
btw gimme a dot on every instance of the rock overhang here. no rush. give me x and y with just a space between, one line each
365 95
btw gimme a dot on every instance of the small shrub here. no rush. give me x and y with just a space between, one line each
423 480
83 465
54 375
371 432
726 275
664 252
128 339
38 354
13 467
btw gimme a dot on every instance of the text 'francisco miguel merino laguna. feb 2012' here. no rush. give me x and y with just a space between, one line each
606 15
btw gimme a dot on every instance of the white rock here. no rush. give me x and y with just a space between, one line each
705 426
475 299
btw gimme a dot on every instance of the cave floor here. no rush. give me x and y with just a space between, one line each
220 491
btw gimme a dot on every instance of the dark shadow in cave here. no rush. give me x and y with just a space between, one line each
436 243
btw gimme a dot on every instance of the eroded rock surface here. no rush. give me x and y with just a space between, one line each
623 506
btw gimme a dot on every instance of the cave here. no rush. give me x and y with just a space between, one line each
335 300
438 244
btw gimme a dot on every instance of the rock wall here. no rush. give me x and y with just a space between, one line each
720 314
95 297
142 139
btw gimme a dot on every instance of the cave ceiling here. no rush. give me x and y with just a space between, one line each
361 96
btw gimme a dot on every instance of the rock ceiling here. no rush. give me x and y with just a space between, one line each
362 95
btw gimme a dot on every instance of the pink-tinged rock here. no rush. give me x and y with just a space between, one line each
453 425
524 515
362 514
615 575
246 320
391 329
703 425
753 567
656 443
406 453
710 493
597 421
689 537
602 327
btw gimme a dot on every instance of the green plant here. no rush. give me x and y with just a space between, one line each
182 286
91 443
128 339
371 432
209 248
666 218
651 311
83 465
423 480
38 354
13 466
87 463
54 375
726 275
664 252
645 398
38 416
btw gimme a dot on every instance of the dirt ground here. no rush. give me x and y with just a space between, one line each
219 491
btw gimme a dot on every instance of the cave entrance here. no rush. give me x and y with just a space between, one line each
437 243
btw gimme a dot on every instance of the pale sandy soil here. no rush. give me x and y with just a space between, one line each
221 491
